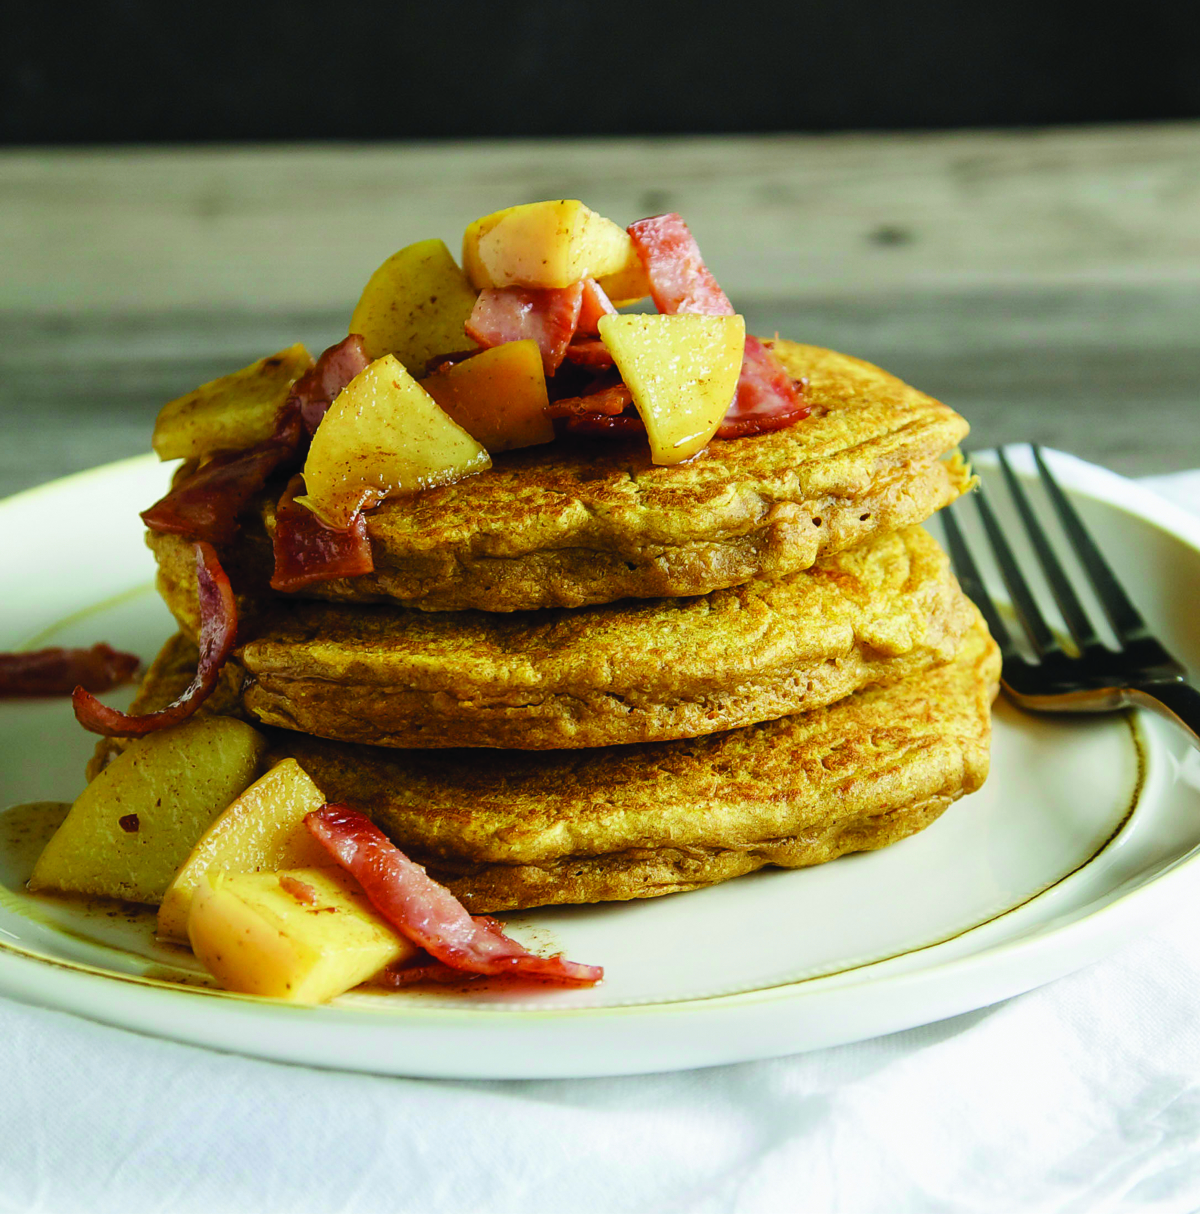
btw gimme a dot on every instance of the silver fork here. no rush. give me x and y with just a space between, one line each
1095 678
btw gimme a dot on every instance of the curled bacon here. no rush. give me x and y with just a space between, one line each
56 672
218 632
317 389
679 279
307 551
548 316
206 505
767 398
427 913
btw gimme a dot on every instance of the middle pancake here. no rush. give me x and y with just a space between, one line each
637 671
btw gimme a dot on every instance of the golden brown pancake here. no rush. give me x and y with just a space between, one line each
575 522
512 829
649 670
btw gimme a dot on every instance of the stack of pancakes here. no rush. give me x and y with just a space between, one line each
580 676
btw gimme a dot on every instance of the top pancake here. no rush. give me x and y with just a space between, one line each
582 522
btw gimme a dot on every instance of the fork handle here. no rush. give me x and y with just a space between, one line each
1178 702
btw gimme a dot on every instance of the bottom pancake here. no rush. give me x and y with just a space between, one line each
517 829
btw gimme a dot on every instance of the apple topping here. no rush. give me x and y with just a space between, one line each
383 435
548 245
261 830
414 306
682 372
305 935
231 413
497 396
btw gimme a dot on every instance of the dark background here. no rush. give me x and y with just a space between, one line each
146 71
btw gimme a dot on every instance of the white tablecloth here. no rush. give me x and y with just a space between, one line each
1081 1096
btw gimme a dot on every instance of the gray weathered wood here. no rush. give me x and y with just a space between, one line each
1047 284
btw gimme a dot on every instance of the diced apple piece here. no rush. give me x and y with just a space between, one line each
544 245
305 935
627 285
134 824
414 306
231 413
383 435
262 831
682 371
499 397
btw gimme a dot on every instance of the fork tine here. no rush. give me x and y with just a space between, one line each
1028 612
1064 594
972 584
1122 614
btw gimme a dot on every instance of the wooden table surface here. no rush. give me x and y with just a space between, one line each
1045 283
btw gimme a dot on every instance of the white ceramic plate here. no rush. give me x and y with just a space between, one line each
1075 842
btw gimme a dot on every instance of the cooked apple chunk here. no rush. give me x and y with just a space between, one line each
231 413
414 306
136 822
383 435
545 244
263 830
304 935
499 396
682 371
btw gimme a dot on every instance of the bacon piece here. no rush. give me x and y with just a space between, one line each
679 279
767 398
427 913
218 632
548 317
593 304
604 425
607 402
56 672
589 352
308 551
316 390
206 505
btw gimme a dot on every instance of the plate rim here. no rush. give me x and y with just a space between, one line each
1051 950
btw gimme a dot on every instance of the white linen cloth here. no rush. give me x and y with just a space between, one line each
1081 1096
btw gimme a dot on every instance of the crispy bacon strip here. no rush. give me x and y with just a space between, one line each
316 390
548 316
607 403
593 304
307 551
767 398
206 505
56 672
603 425
589 352
218 632
427 913
679 279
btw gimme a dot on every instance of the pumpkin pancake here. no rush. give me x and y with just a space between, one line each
515 829
581 522
643 671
